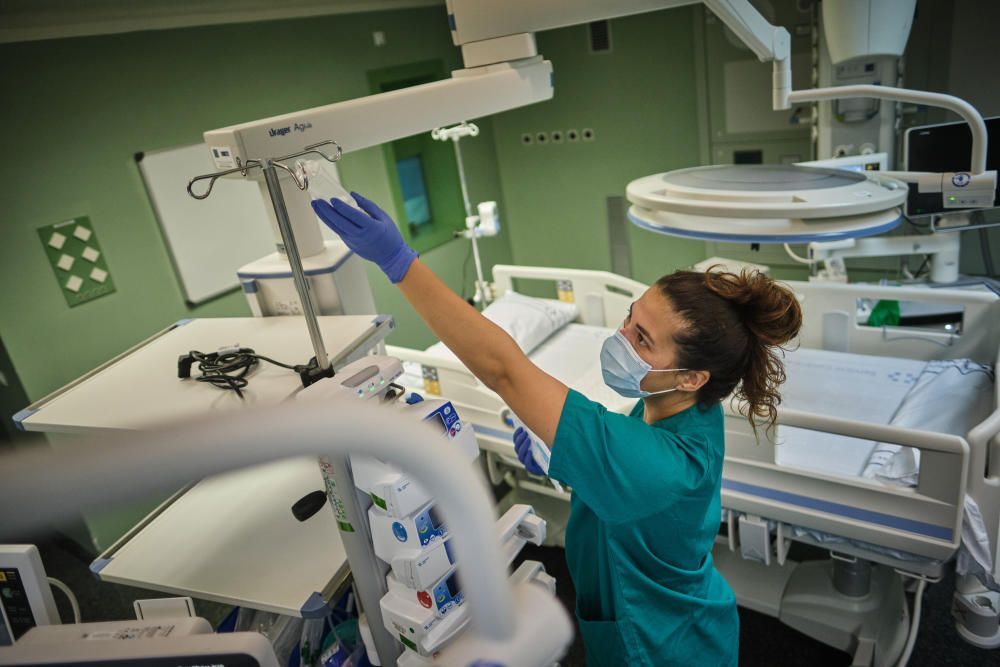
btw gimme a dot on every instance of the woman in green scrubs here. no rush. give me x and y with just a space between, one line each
646 486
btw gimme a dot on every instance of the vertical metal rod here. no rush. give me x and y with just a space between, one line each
461 177
295 261
480 282
350 508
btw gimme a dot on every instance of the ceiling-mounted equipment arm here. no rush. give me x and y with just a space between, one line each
474 21
503 71
377 119
480 20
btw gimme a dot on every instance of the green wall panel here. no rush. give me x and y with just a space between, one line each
641 101
76 110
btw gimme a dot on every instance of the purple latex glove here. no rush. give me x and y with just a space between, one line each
371 233
522 445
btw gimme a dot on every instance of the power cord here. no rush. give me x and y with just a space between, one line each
229 367
69 595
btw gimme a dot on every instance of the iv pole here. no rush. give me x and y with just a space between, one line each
349 505
455 134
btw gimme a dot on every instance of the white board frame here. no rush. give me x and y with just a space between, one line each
208 240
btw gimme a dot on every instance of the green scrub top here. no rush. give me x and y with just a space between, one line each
644 515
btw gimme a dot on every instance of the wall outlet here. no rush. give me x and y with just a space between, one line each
527 139
588 134
541 137
556 136
572 136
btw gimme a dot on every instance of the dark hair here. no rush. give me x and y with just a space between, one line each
734 325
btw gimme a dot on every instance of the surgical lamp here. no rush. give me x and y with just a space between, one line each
801 204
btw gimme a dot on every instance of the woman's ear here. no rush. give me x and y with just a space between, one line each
693 380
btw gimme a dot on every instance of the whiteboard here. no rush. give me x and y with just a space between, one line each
208 239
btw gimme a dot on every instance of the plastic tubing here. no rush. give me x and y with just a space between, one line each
110 469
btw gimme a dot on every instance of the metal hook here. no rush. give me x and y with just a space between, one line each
298 176
313 149
241 167
301 180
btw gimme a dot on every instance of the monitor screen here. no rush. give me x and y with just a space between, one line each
943 148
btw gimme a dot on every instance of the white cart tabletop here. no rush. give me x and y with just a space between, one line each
230 538
233 539
140 388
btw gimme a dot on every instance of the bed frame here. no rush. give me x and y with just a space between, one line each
925 521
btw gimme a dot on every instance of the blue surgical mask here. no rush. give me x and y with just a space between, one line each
624 369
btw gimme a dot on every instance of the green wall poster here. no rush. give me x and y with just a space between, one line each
77 260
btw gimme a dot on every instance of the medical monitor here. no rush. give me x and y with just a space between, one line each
944 148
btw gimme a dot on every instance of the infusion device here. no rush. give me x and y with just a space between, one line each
25 596
423 604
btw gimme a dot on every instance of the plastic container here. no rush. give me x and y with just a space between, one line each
323 184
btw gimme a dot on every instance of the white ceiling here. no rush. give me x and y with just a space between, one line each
28 20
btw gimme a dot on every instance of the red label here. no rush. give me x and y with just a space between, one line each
424 599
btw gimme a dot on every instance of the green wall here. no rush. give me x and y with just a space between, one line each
640 100
76 110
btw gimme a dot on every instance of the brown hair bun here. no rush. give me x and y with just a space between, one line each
737 324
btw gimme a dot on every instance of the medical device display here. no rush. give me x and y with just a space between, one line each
945 148
25 597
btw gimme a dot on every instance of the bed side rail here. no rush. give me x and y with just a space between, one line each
450 379
830 322
984 471
602 297
925 520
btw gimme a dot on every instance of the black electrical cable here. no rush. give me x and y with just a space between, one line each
228 369
927 259
465 270
984 246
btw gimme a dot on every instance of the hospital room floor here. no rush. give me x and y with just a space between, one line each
763 640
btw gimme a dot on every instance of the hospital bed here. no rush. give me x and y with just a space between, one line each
855 466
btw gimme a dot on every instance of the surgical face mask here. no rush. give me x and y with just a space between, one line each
624 369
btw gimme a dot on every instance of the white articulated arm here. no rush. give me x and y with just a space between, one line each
377 119
957 105
503 71
474 21
111 469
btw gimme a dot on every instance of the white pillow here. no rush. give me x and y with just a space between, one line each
950 396
528 320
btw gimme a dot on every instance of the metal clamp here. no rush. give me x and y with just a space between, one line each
301 181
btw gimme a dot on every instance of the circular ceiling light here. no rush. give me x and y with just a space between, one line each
766 203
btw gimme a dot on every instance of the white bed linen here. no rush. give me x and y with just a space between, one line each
571 355
839 384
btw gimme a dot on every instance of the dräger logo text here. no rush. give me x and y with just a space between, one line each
279 131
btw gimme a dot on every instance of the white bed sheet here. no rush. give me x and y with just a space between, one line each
855 386
571 355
